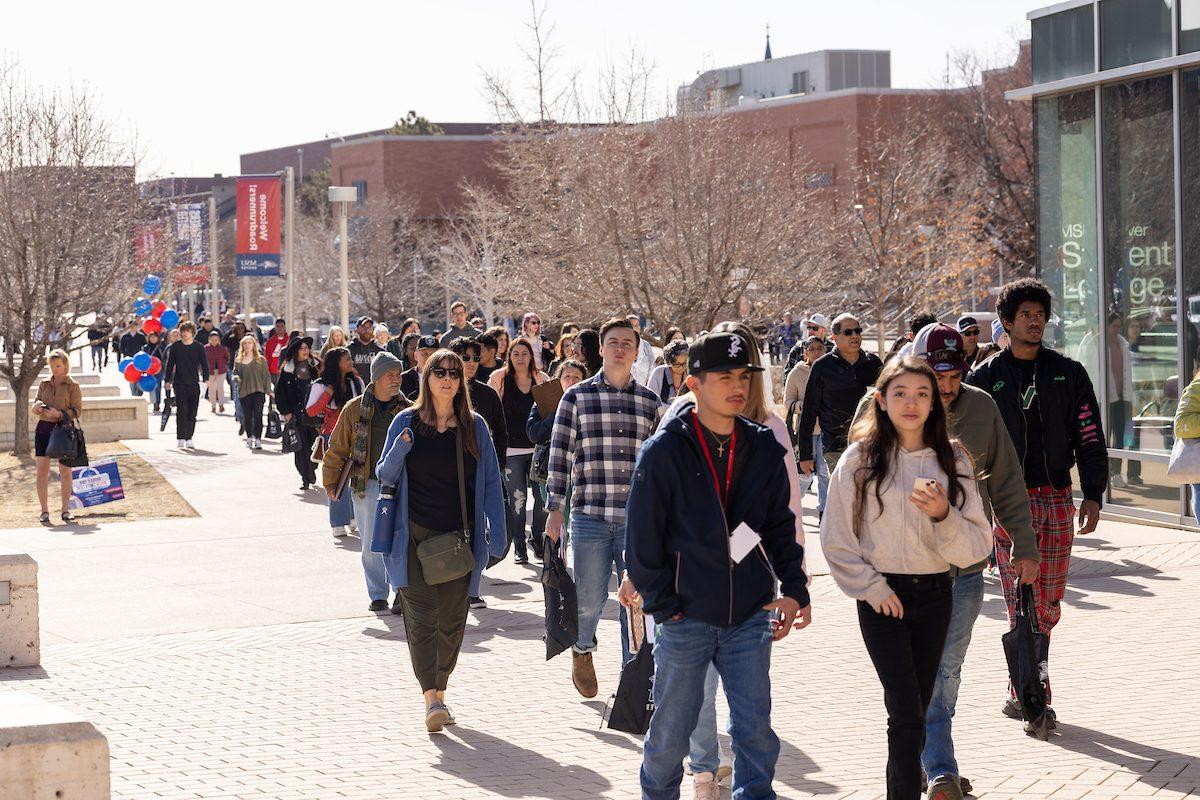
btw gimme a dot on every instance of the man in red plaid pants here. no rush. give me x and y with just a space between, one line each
1050 409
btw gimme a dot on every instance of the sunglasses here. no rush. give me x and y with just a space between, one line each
447 372
971 332
851 332
470 359
813 327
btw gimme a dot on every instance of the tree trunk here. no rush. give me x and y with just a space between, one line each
20 386
880 328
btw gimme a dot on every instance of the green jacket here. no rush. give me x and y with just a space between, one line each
1187 413
976 422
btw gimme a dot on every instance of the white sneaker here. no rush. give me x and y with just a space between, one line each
704 787
180 443
340 532
190 446
1118 482
354 527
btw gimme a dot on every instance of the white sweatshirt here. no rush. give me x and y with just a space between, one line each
899 538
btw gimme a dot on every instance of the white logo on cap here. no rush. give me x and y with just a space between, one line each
735 347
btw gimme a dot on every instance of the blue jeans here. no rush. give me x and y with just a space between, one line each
938 756
599 548
822 470
340 511
683 651
238 414
364 512
516 473
704 752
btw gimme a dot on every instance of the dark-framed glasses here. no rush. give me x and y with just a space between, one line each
447 372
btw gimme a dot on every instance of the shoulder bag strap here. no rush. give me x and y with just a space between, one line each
462 483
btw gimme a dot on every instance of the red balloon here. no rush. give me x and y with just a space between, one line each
157 309
133 374
155 366
152 326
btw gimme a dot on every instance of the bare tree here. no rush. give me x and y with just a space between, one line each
478 252
388 244
67 209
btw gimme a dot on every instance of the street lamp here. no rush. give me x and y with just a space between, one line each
344 195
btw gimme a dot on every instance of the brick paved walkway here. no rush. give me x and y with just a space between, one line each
315 699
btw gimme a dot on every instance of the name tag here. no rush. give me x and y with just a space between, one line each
742 541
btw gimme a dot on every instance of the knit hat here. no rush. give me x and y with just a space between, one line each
383 363
997 330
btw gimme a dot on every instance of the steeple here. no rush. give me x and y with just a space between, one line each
767 56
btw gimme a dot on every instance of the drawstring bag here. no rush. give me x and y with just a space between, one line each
633 704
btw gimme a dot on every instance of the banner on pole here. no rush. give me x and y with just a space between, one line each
190 227
148 243
258 226
97 483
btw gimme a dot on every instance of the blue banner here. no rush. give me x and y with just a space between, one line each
190 229
97 483
257 266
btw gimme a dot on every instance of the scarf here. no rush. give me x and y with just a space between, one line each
362 433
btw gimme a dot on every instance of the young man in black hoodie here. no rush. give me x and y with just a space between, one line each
1050 409
708 532
185 370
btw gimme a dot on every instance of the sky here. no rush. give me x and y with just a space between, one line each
200 83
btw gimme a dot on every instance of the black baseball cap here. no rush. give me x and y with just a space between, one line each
427 342
719 352
363 321
966 322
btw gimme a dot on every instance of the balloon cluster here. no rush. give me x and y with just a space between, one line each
143 368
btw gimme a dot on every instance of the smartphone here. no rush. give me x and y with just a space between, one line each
920 483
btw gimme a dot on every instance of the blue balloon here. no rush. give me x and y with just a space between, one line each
148 383
123 363
142 307
169 319
142 361
152 284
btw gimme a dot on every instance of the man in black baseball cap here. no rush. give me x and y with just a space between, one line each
410 382
364 348
708 510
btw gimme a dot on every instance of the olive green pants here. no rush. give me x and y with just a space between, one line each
435 618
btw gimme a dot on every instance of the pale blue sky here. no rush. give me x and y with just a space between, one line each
204 81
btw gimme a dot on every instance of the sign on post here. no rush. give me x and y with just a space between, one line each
259 243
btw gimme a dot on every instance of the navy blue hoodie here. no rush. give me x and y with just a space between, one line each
677 535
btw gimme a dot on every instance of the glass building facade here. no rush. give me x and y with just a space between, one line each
1116 100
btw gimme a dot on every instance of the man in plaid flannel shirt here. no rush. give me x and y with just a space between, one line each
599 428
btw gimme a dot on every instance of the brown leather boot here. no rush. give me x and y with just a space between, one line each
583 674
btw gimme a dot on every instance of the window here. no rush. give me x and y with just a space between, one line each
361 186
1141 350
1067 241
800 82
1133 31
1063 45
1189 26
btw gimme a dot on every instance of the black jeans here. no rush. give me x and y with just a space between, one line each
303 456
187 404
907 653
435 618
252 409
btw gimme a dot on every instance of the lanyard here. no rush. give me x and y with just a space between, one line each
723 497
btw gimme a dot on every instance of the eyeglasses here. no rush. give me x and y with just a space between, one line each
850 332
813 327
470 359
971 332
447 372
679 364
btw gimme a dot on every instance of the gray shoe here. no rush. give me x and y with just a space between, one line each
437 716
945 787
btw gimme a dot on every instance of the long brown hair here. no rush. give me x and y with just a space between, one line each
507 369
880 443
463 413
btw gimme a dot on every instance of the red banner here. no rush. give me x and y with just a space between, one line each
258 226
149 247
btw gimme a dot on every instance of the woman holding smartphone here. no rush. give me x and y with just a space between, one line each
902 508
59 399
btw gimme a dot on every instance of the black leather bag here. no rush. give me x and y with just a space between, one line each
65 440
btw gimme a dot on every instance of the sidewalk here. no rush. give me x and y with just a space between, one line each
231 655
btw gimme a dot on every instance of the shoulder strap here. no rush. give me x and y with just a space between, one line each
462 482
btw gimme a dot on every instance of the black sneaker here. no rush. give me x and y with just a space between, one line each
477 602
397 607
521 558
377 605
537 543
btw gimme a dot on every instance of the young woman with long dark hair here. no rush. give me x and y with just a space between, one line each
339 384
902 508
297 370
514 383
439 464
588 342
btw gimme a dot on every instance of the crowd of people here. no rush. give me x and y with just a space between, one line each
669 467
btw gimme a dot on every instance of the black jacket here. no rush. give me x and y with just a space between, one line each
485 400
186 364
834 388
677 536
131 344
291 393
1070 416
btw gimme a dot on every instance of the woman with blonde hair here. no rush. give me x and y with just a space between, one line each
335 338
439 467
254 387
59 399
514 383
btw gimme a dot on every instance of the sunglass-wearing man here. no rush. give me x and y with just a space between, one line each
838 380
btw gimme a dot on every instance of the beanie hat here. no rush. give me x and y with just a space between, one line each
383 363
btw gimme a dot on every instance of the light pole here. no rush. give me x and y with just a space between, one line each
344 195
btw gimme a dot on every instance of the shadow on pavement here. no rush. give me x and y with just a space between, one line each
618 739
794 764
22 674
472 756
1133 756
